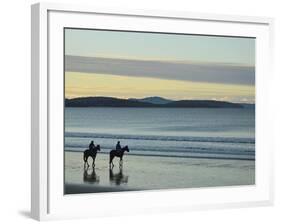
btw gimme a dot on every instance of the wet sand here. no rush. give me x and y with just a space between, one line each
153 172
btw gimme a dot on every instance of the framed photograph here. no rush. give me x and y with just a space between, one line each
138 111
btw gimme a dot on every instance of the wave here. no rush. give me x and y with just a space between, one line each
179 155
167 146
160 138
209 150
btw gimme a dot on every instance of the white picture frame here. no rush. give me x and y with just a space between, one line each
48 201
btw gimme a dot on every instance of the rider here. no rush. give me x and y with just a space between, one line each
92 145
118 146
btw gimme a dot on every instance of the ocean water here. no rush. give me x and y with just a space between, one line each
225 133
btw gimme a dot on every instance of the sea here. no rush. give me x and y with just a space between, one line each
219 133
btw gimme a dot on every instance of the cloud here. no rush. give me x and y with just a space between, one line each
169 70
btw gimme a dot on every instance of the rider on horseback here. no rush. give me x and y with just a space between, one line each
118 146
92 145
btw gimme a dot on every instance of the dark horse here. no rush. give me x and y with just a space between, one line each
118 153
92 153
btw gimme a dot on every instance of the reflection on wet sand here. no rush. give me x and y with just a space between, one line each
90 177
118 178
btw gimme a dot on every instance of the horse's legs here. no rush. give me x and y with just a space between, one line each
121 161
111 162
93 164
87 162
86 165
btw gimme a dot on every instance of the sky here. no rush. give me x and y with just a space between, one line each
174 66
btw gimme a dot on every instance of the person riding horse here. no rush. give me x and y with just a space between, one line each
92 145
118 146
118 152
91 152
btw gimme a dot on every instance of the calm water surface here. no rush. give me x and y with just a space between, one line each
174 132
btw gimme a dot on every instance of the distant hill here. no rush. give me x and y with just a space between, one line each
203 103
103 102
116 102
153 100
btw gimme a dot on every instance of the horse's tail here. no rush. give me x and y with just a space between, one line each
84 157
111 156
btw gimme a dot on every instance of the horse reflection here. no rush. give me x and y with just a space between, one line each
90 177
118 178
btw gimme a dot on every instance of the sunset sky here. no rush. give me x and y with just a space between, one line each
137 65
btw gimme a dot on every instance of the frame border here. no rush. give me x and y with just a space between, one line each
40 88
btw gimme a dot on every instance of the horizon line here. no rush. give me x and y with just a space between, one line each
79 97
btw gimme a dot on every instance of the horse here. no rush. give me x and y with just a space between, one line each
90 153
118 153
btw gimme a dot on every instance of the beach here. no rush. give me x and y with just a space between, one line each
153 172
